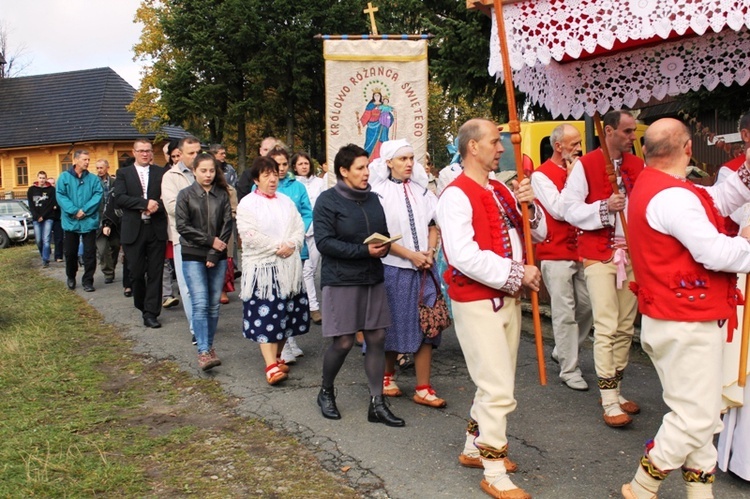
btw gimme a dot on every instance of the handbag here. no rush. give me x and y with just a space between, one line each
433 320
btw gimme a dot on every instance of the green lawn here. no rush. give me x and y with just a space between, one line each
82 415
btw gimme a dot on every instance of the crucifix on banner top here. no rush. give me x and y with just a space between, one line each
371 11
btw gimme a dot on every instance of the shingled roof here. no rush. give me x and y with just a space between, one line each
66 108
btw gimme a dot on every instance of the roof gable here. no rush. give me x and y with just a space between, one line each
66 108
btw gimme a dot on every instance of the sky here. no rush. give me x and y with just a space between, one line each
68 35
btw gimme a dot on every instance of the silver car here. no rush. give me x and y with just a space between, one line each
16 225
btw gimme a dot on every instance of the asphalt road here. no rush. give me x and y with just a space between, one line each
556 435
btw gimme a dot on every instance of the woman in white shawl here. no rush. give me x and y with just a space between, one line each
275 305
410 211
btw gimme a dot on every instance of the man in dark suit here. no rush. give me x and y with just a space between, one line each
144 229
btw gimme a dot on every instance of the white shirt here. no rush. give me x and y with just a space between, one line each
547 194
679 213
392 198
586 216
449 174
454 216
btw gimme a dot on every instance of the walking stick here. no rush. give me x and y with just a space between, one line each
515 130
610 169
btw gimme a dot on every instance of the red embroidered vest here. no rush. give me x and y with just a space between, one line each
490 233
671 285
562 238
597 244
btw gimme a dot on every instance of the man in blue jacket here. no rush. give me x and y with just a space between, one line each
79 194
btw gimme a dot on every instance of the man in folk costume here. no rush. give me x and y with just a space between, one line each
482 236
590 204
734 440
686 291
561 266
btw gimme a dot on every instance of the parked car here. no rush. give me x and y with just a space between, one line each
16 224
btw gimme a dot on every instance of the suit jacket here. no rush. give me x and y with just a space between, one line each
129 198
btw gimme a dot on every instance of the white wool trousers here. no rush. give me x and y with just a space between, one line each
489 341
687 357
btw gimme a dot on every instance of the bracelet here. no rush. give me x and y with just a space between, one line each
433 249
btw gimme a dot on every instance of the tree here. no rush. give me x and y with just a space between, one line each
235 69
13 61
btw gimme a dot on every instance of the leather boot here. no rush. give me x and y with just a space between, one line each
379 413
327 403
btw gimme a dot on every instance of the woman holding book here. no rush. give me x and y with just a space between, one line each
353 291
409 266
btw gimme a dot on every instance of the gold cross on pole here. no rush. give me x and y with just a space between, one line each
371 11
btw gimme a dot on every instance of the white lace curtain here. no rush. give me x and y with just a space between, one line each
544 33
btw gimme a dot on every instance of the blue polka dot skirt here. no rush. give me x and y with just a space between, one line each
270 321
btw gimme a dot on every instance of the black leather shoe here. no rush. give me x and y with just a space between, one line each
109 280
379 413
127 292
327 403
89 288
71 284
151 322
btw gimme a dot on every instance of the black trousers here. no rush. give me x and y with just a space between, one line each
145 261
70 245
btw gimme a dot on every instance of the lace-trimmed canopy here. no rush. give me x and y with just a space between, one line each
581 56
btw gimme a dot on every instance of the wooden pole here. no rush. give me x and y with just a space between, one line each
742 375
610 170
515 130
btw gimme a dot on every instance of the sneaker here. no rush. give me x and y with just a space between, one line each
287 355
390 388
212 353
206 362
195 342
59 260
316 317
577 383
296 350
170 301
45 265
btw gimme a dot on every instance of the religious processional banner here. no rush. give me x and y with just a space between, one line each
376 90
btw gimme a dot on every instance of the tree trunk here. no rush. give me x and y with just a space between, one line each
241 144
290 124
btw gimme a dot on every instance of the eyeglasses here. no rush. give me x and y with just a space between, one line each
143 151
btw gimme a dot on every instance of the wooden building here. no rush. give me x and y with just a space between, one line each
45 118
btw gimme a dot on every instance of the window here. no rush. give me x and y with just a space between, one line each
124 158
66 162
22 171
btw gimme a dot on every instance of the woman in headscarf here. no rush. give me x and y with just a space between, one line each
409 267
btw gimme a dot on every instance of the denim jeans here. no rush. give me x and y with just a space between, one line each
187 305
43 236
205 285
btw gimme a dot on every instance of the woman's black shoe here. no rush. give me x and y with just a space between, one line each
327 403
379 413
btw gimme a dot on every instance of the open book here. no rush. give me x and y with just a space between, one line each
376 237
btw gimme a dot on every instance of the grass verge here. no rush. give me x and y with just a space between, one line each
85 416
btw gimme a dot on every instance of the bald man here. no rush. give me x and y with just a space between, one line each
561 266
482 238
686 290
